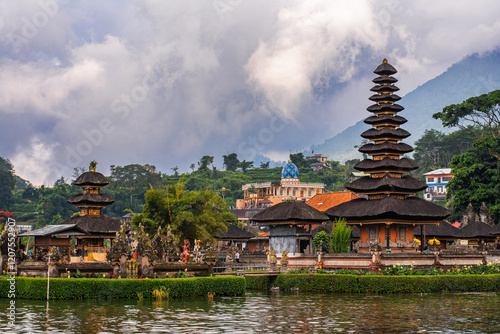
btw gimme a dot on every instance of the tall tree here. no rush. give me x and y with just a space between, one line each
231 161
7 183
264 165
299 160
476 179
245 165
190 214
204 162
482 111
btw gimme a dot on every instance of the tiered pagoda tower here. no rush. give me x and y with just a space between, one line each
390 209
91 204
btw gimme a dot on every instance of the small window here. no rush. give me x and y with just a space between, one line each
447 178
430 179
309 193
281 192
293 192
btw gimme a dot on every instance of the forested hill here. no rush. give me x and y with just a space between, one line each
472 76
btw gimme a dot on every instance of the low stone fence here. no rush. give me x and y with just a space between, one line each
106 269
382 260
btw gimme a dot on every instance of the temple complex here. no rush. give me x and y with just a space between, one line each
390 209
262 195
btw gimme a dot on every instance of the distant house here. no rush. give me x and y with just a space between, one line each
436 184
24 227
318 161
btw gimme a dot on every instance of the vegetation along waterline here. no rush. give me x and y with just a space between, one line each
102 288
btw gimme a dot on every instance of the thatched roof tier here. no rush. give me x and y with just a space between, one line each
410 210
367 184
442 231
290 211
83 199
386 147
385 69
91 179
384 97
95 224
234 232
476 229
385 133
473 230
385 119
384 80
496 230
403 164
382 107
384 88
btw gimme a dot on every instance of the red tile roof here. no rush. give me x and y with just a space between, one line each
325 201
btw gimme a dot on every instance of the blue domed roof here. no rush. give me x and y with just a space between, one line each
290 171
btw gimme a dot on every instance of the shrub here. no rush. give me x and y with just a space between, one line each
340 237
102 288
388 284
260 282
322 236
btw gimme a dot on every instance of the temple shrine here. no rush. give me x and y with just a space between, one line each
89 228
389 210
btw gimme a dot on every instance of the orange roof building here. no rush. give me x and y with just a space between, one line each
325 201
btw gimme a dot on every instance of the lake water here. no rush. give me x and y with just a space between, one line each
261 312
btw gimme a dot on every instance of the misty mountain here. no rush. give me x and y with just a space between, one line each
472 76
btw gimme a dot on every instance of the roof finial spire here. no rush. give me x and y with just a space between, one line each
384 61
93 166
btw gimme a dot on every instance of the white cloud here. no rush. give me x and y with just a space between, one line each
214 76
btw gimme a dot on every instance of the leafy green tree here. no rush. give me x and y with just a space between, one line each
128 184
436 149
231 161
204 162
7 183
175 170
299 160
483 111
340 236
264 164
190 214
476 179
245 165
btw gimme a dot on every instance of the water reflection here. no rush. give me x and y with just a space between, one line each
264 313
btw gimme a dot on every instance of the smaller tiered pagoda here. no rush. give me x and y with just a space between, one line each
91 204
90 227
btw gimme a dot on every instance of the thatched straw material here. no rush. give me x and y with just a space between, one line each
95 224
385 107
396 120
386 147
386 183
385 133
412 209
87 198
91 179
403 164
289 211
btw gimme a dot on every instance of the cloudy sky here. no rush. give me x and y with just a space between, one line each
166 82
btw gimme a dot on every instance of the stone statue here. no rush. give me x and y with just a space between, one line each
143 247
272 256
284 257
